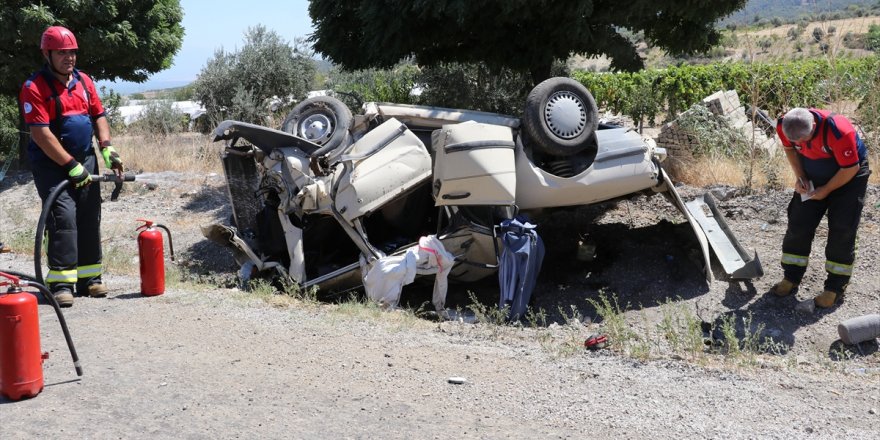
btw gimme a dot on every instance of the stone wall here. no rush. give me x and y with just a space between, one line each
679 143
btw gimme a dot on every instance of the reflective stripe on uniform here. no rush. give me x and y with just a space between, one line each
61 276
90 271
838 268
795 260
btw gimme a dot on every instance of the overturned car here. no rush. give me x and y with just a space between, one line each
331 196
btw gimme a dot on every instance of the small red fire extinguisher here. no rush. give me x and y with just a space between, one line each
152 257
21 362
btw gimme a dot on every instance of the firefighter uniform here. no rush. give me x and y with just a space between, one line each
74 245
834 145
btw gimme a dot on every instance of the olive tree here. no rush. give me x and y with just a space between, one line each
236 85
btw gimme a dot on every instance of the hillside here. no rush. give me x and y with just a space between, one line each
842 37
793 10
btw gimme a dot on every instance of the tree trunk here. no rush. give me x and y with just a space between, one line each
540 73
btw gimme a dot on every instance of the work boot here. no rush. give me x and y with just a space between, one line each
97 290
784 287
64 297
4 248
828 298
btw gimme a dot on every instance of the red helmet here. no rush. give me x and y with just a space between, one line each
58 38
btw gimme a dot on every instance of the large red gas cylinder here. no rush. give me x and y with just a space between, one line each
21 363
152 257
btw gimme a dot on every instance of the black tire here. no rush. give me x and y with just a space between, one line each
326 110
560 117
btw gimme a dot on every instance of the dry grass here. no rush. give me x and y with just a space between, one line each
706 171
784 48
746 40
186 152
842 26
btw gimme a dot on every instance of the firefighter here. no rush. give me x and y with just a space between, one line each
63 111
830 164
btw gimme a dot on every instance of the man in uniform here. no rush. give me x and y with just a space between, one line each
63 110
830 164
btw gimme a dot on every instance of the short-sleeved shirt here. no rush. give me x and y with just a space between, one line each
80 104
835 144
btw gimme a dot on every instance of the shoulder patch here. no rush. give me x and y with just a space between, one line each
28 108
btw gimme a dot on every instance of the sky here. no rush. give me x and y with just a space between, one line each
211 25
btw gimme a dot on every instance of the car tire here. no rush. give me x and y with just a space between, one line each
560 117
322 120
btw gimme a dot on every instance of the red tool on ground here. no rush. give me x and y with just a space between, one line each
595 342
152 257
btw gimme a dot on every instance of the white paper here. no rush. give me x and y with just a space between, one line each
810 190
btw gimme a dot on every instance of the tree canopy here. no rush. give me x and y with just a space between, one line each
525 35
118 39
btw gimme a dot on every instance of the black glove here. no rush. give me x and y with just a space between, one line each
77 174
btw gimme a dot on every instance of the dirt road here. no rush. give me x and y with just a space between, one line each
219 363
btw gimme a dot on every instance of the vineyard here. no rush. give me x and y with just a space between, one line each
650 94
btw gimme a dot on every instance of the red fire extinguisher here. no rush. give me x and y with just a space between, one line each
21 362
152 257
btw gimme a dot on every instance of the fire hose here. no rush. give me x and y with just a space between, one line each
16 281
47 205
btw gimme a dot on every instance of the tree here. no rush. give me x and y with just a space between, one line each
236 85
525 35
124 39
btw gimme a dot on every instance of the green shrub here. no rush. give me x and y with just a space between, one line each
818 34
868 116
160 118
9 117
872 41
185 93
475 86
773 87
392 85
111 102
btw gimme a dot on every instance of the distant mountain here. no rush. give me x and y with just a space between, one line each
128 88
791 10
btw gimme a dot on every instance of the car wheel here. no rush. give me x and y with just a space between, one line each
560 117
322 120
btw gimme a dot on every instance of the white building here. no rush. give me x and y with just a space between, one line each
134 110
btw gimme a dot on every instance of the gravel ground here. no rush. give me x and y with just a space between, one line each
216 362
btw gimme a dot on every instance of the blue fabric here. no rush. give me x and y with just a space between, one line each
521 257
